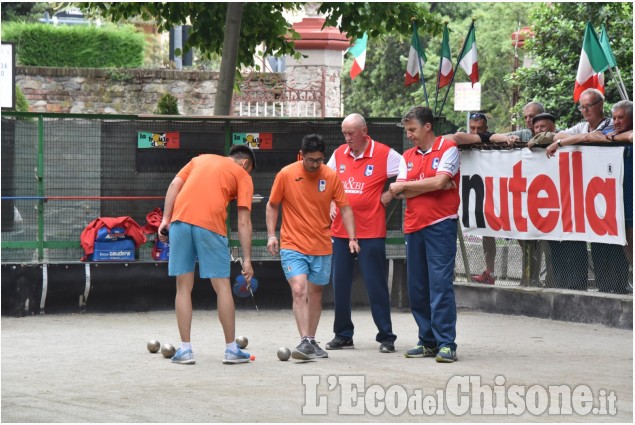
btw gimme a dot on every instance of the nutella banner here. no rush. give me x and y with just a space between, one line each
521 194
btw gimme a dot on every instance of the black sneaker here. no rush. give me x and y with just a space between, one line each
319 353
304 351
338 343
387 347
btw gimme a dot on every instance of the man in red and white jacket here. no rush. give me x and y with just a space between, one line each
430 187
363 165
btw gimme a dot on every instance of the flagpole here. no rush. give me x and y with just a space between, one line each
622 83
436 96
620 89
423 83
456 67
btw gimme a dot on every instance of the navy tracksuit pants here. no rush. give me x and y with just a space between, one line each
430 256
372 264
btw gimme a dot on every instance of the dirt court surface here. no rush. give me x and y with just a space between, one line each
95 368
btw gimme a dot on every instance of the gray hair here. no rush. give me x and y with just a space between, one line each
625 105
598 94
538 105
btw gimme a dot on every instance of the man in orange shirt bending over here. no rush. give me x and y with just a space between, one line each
195 214
305 190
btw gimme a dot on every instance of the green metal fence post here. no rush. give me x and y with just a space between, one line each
40 187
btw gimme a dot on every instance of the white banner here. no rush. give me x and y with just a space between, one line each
521 194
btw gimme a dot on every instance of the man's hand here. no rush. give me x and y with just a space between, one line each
386 197
396 190
272 246
353 245
598 137
551 149
163 231
248 270
333 211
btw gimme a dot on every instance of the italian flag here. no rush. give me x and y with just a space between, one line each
445 67
592 65
358 50
416 59
469 59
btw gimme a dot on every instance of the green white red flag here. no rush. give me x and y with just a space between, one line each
469 57
416 59
445 67
592 64
358 50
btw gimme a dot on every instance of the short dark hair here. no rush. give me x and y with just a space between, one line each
420 113
243 152
313 143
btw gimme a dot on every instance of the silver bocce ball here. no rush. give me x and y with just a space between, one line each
242 342
284 353
154 346
168 350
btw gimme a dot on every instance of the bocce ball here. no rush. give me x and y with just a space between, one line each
284 353
153 346
242 342
168 350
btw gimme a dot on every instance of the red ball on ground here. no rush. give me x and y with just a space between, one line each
252 358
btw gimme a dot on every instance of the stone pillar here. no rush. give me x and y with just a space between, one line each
324 60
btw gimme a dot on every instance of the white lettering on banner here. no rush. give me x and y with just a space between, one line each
521 194
351 186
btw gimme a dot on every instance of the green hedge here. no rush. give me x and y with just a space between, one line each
75 46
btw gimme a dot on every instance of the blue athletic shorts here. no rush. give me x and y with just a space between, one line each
316 267
187 242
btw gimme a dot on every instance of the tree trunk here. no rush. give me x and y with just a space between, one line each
223 101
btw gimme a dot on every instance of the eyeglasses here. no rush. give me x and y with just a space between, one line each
314 161
478 116
587 107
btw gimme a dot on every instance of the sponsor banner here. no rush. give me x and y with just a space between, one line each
253 140
521 194
146 140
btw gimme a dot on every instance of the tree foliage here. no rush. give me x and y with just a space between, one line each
555 50
263 23
380 91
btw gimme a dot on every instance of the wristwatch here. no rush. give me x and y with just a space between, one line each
613 137
559 144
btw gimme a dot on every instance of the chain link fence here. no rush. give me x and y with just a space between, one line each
60 172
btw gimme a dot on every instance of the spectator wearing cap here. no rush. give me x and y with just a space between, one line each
544 126
478 122
479 134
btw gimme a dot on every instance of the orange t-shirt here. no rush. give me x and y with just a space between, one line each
306 202
211 182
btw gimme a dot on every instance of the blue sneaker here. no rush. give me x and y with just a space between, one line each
183 357
233 357
446 355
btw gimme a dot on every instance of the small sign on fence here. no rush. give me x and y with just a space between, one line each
253 140
147 140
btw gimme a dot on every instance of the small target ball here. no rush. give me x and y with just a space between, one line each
242 342
252 358
154 346
284 353
168 350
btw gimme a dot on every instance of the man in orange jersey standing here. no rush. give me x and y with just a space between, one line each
305 190
195 216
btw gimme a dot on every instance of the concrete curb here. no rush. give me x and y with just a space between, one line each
545 303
